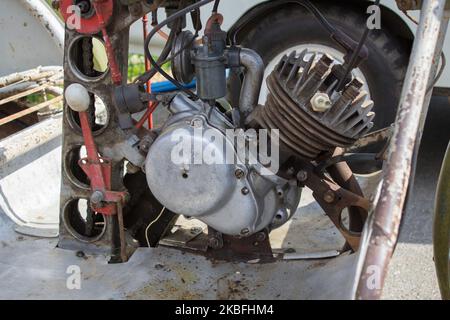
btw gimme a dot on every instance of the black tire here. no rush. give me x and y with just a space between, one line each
292 25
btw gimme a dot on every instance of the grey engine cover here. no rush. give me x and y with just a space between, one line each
213 193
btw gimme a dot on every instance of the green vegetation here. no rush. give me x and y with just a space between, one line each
136 66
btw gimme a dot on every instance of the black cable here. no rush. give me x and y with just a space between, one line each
355 55
216 6
172 18
162 59
145 77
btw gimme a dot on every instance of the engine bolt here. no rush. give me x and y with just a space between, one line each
56 4
302 176
239 173
196 230
260 236
197 123
215 243
320 102
97 197
245 191
329 196
245 231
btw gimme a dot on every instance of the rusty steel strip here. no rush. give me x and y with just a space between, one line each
381 236
333 199
371 138
343 176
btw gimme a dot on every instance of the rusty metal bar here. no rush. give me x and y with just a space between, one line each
382 231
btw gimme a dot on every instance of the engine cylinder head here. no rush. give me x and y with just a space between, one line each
309 126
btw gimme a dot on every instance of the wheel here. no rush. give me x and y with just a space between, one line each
293 28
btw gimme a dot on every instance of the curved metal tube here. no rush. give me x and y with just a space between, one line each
381 238
253 79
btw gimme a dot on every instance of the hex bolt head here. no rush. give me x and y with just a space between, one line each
329 196
245 231
320 102
302 176
260 236
215 243
245 191
77 97
56 4
197 123
97 197
239 173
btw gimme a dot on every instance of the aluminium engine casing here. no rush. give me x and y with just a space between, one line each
232 198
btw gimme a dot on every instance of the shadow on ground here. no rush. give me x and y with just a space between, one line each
418 218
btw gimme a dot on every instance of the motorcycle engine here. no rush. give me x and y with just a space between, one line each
232 197
307 115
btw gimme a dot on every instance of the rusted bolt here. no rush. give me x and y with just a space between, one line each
260 236
329 196
239 173
56 4
245 191
215 243
302 176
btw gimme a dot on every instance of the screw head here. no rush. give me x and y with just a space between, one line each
215 243
197 123
260 236
245 231
56 4
302 176
239 173
97 197
329 196
245 191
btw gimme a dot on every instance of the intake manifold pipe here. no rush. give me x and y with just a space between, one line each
253 79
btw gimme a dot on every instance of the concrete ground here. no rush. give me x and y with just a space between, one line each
411 274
